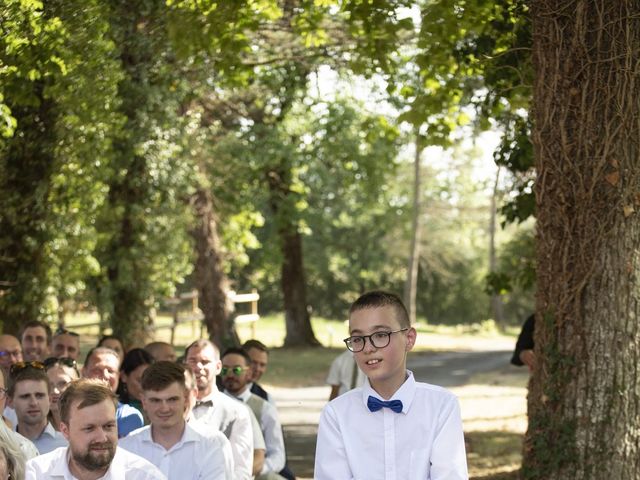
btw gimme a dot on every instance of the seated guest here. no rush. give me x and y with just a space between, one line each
65 344
236 374
88 413
259 354
114 343
61 372
133 366
161 351
215 410
103 363
169 442
12 458
26 446
35 338
29 396
10 351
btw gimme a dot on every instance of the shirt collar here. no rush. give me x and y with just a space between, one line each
50 431
405 393
189 435
244 396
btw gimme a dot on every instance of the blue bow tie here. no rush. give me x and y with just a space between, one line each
374 404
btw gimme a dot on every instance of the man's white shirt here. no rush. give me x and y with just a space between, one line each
422 442
233 419
342 372
125 465
195 456
275 457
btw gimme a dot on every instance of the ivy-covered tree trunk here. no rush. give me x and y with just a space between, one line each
26 167
211 281
292 280
126 255
583 398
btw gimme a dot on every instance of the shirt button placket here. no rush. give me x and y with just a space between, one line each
389 444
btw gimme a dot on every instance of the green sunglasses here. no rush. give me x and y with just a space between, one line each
237 371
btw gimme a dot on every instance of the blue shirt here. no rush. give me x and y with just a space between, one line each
129 419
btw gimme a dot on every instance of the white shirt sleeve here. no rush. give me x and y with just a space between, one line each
331 457
448 457
275 456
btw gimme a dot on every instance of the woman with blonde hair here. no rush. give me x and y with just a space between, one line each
12 458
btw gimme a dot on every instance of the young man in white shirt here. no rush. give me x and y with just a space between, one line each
236 376
169 442
215 410
27 447
393 428
88 422
28 394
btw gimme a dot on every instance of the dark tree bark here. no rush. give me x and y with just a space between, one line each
583 398
293 282
211 281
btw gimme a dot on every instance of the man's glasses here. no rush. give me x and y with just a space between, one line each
19 366
66 361
356 343
12 353
3 393
237 371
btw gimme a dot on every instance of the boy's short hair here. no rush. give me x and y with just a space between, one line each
237 351
162 374
26 373
89 391
257 344
378 299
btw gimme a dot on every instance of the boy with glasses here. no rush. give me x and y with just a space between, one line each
393 428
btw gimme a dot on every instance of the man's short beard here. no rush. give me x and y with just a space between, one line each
92 462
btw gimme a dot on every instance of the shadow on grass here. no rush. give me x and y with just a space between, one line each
494 455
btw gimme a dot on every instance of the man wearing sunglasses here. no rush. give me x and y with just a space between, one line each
28 394
236 376
65 344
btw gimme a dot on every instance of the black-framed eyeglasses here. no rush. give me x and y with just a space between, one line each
66 361
237 371
19 366
381 339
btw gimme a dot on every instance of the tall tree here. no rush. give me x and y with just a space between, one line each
583 395
55 124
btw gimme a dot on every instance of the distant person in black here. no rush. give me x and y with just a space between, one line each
523 353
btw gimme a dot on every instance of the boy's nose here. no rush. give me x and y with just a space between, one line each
368 345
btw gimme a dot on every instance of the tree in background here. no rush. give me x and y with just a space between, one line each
58 87
583 395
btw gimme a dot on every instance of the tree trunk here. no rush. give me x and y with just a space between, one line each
583 398
413 265
211 281
496 300
292 280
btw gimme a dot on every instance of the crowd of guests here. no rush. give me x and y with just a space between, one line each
141 411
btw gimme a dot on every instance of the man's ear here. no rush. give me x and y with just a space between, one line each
64 429
411 339
218 367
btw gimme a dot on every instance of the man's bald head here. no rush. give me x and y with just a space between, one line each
10 351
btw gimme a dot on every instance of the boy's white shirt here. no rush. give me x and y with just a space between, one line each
423 442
